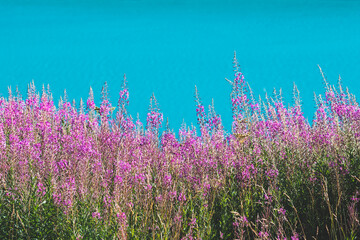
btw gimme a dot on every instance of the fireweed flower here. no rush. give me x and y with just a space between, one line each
178 218
200 110
90 101
282 211
295 236
192 222
41 189
244 220
159 198
154 117
182 197
96 215
263 234
118 179
121 218
167 180
107 201
84 155
172 195
268 198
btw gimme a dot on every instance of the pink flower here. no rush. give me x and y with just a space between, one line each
96 215
182 197
192 222
282 211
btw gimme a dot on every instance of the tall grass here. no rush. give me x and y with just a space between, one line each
86 172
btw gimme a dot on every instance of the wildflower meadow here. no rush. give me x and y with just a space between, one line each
77 171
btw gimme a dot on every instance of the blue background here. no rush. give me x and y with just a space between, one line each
168 47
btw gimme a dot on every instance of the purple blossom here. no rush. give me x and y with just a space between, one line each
117 166
96 215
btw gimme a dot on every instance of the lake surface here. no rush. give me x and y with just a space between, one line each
168 47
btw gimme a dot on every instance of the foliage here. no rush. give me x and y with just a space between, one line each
72 172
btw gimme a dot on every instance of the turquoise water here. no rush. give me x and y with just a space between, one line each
168 47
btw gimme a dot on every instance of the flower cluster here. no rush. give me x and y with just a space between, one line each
274 175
